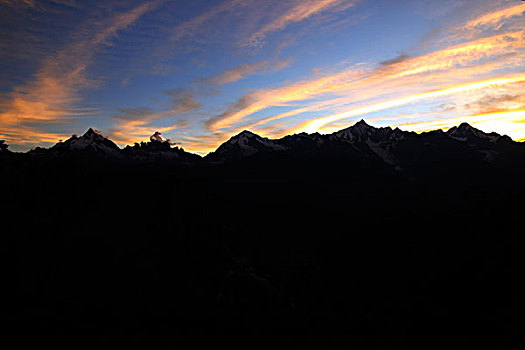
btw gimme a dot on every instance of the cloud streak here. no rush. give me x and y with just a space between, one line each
471 68
188 28
236 73
505 122
135 124
495 19
300 11
52 94
319 123
355 82
445 69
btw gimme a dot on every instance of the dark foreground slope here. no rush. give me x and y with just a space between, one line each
370 238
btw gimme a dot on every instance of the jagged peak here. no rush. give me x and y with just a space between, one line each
465 125
462 128
360 125
92 132
359 130
363 123
465 129
247 133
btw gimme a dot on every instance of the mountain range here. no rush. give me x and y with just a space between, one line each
381 144
364 238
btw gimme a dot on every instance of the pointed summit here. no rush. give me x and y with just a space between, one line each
92 132
465 132
247 133
244 144
92 141
362 128
462 128
243 138
244 134
362 123
359 131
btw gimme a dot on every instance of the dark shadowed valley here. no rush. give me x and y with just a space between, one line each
364 238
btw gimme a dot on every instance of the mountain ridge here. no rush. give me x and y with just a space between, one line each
359 131
384 143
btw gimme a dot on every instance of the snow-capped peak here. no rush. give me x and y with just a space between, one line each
91 140
244 136
92 132
247 133
465 130
358 131
244 144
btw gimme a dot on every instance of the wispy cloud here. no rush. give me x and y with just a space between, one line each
188 28
182 101
470 68
495 19
505 122
18 3
130 131
236 73
135 124
53 93
300 11
356 83
319 123
473 65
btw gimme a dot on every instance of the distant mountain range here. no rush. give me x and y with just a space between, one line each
383 144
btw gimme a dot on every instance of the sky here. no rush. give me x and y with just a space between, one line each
202 71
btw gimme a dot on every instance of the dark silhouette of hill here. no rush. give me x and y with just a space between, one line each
366 238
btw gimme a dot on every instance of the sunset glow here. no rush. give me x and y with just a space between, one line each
200 73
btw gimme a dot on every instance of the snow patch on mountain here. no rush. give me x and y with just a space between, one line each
250 143
464 131
382 153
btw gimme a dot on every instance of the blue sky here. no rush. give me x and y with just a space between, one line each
200 71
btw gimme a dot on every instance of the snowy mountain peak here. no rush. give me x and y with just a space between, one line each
92 132
245 134
465 131
361 127
92 140
362 123
359 131
244 144
462 129
243 138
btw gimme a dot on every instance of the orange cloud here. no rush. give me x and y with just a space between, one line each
29 136
461 55
462 61
318 124
129 132
501 122
496 19
53 93
236 73
468 69
134 124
